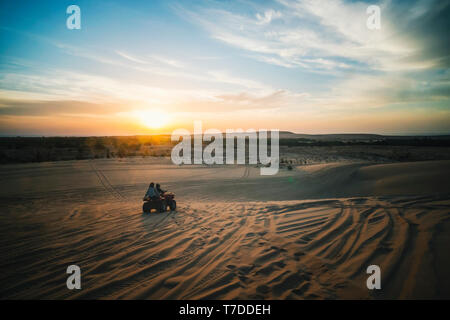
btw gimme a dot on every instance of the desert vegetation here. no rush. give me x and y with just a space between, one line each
294 149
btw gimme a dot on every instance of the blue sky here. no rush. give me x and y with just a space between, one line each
304 66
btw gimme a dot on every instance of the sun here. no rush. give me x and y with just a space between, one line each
153 119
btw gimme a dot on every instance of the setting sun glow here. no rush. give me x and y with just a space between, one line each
153 119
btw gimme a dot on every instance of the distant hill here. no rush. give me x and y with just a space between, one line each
331 137
355 136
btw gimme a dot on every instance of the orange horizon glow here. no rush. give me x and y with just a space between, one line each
157 122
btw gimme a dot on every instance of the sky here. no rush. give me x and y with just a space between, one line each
143 67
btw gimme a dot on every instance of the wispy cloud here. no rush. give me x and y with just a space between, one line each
130 58
170 62
310 32
268 16
372 68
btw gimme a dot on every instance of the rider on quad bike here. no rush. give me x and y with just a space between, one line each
156 198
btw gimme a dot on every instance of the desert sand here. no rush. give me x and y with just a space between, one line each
309 233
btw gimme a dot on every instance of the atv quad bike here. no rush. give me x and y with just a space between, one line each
160 204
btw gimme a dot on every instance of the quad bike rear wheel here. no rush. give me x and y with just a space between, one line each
146 207
172 205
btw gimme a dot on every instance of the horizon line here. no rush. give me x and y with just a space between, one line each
169 134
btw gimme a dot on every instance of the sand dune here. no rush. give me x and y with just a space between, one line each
309 233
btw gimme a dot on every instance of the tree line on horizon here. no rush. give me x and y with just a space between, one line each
39 149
